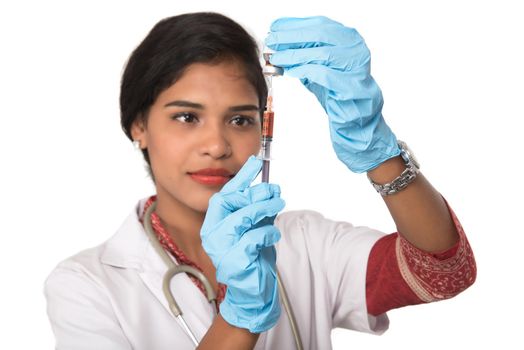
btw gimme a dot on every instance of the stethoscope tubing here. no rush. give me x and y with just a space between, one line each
174 269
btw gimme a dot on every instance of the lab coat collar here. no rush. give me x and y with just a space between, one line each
129 247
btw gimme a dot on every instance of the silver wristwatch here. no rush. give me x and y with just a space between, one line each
404 179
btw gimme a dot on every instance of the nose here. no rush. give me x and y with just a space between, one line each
215 143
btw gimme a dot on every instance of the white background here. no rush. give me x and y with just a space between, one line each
452 76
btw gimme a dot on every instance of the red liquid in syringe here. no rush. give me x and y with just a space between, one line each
267 120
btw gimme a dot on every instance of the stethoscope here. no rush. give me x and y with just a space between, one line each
174 269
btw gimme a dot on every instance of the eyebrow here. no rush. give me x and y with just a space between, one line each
182 103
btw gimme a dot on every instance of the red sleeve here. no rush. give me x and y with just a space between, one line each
399 274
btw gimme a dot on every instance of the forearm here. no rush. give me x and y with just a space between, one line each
419 211
222 335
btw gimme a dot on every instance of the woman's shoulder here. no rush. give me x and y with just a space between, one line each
307 221
302 218
86 265
124 248
318 230
76 276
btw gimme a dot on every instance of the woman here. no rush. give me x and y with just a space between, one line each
192 97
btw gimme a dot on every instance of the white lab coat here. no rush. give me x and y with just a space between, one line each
110 296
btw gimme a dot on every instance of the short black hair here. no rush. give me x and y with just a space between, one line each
171 46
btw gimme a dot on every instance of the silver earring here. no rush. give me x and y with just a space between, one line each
136 145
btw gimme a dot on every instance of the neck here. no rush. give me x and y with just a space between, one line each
182 223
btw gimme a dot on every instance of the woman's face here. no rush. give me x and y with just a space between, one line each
208 119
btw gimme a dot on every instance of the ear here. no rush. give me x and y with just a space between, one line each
139 132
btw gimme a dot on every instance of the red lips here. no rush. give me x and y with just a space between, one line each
210 176
212 172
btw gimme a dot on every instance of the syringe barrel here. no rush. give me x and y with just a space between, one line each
267 124
265 149
265 171
269 71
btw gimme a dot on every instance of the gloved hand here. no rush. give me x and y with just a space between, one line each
238 235
333 62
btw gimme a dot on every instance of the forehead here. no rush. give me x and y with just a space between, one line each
224 81
230 68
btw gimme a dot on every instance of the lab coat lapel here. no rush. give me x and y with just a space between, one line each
197 311
130 248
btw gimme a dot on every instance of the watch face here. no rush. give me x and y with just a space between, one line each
408 155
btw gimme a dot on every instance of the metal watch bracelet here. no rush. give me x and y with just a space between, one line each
399 183
405 178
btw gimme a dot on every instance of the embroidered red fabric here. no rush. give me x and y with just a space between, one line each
170 246
400 274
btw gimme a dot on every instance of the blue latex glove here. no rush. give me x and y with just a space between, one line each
238 235
333 62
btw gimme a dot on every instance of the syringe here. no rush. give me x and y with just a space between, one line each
267 121
267 135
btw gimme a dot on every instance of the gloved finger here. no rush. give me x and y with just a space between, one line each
262 191
348 113
241 255
269 220
289 23
246 218
245 176
218 208
223 204
251 276
233 201
253 241
220 235
226 203
336 57
341 85
327 35
350 117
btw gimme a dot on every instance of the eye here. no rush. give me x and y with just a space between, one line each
242 120
185 117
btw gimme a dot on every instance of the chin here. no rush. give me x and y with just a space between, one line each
201 204
201 208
